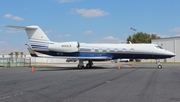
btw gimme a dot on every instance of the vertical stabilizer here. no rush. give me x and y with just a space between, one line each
38 39
33 32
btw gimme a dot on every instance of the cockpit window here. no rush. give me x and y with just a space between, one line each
159 47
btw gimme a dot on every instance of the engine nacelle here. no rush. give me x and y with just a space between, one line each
64 47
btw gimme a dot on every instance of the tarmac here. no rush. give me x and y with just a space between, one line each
102 83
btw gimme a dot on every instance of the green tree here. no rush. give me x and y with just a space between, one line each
17 54
11 54
141 37
21 53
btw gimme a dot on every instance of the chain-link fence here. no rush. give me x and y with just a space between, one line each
15 62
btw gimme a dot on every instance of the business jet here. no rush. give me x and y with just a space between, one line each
40 43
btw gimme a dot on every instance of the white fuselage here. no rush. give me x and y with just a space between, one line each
41 43
102 51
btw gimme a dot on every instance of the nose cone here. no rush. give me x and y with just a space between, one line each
171 54
164 54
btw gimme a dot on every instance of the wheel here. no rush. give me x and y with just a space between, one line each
80 67
88 65
159 66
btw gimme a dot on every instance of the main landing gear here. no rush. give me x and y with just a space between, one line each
81 64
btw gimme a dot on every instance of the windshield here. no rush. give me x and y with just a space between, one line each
159 47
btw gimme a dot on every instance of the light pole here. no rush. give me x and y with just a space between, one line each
133 29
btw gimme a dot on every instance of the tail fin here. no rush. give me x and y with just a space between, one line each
33 32
38 39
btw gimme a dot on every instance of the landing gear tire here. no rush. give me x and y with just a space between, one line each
159 66
88 65
80 67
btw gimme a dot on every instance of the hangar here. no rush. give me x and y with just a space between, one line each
171 44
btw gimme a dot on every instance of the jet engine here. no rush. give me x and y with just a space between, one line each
64 47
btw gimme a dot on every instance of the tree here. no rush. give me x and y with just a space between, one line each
17 54
141 37
21 53
11 54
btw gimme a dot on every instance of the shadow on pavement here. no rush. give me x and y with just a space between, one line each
70 68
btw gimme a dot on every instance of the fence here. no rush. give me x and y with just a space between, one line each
15 62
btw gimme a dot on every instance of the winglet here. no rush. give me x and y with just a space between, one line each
31 52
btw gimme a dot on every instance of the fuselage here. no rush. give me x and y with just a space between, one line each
143 51
111 51
91 52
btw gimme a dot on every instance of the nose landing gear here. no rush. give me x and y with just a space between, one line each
159 64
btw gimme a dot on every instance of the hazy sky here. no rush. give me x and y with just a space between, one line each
87 20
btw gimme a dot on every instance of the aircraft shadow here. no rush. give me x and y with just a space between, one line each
71 68
139 68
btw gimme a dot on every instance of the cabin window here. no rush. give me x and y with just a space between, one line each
123 49
116 50
103 50
132 49
100 50
108 50
92 50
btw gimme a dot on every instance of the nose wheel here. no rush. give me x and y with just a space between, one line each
159 65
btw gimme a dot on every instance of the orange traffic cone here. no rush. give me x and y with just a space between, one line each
132 65
32 70
119 67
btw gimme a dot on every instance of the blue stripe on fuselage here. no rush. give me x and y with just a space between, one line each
39 46
110 55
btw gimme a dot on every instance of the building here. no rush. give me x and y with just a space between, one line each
171 44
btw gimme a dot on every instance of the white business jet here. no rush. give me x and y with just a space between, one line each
40 43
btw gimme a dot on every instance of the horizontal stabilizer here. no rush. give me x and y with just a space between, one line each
22 27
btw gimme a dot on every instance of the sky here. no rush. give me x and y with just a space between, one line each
88 21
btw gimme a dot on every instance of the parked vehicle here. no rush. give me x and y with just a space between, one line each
124 60
71 60
138 60
119 60
114 61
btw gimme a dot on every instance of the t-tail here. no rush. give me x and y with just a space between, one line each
38 39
